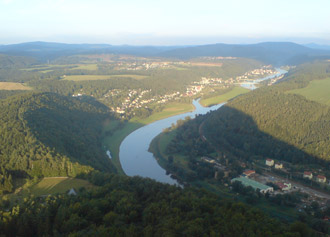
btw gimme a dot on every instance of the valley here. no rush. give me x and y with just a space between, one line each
61 119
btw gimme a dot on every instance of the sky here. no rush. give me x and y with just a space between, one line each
164 22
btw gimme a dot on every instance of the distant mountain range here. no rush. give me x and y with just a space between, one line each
276 53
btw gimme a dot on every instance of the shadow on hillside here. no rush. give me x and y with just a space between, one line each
72 130
236 134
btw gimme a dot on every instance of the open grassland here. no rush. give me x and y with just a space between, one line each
91 67
101 77
113 141
53 185
170 110
224 97
318 90
13 86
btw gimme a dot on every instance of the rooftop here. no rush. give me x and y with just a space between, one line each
249 182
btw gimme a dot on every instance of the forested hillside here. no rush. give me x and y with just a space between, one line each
7 61
268 122
126 206
44 134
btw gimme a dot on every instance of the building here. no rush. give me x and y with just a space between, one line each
72 192
254 184
308 175
321 179
269 162
208 160
284 186
248 173
279 166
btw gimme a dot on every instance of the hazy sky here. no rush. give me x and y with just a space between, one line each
164 22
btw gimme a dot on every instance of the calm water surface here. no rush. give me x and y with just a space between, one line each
134 156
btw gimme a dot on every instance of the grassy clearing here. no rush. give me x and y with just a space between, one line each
53 185
91 67
224 97
13 86
101 77
113 142
170 110
318 90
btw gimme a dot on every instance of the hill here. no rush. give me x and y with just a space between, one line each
273 122
276 53
44 51
7 61
44 134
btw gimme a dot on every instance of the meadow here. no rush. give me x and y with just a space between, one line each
318 90
53 185
224 97
13 86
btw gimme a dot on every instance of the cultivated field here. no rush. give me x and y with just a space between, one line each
100 77
92 67
318 91
13 86
53 185
224 97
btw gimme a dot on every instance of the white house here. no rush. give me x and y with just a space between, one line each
269 162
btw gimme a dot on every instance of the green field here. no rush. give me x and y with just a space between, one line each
224 97
318 90
113 142
13 86
53 185
91 67
169 110
101 77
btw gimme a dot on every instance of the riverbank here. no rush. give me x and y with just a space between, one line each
218 99
112 142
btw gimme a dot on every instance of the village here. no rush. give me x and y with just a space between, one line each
270 180
129 100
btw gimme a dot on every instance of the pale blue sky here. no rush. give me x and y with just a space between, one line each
164 22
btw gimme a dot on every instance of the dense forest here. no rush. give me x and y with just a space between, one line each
44 134
125 206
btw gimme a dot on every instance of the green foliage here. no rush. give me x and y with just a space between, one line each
44 134
126 206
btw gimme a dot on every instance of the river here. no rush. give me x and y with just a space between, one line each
134 156
252 85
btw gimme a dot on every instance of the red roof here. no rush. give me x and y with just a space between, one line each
281 185
269 160
321 177
307 173
249 172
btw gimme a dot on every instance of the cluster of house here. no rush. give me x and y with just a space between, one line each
319 178
134 66
271 162
265 70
